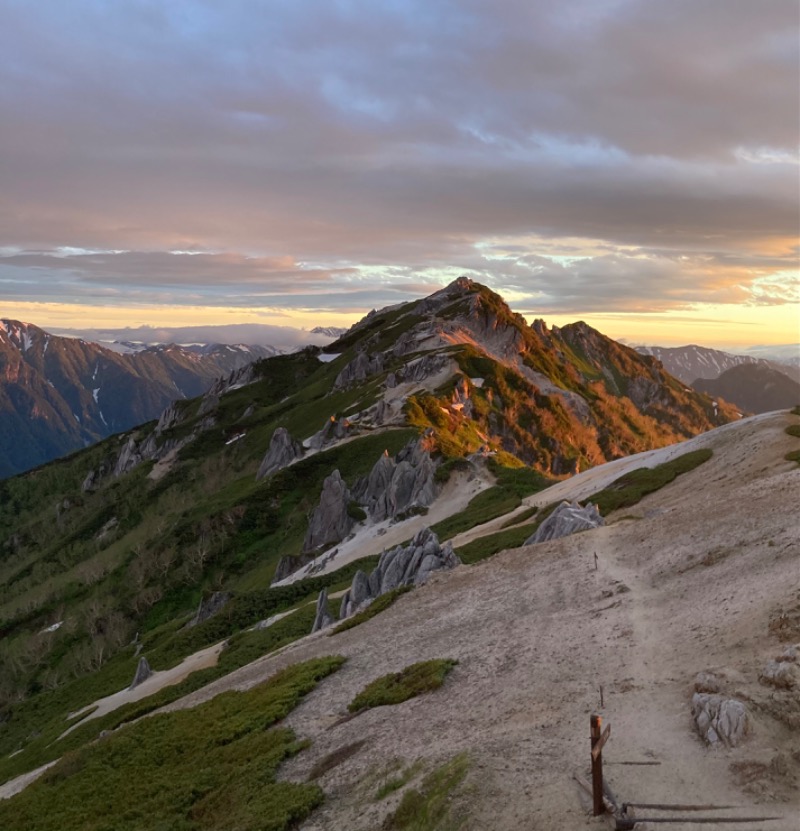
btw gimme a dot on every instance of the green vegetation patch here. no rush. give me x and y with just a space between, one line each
212 767
793 456
634 486
488 504
43 716
397 687
430 806
375 608
519 518
794 430
485 547
400 779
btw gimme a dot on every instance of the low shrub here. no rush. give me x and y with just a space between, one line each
428 807
635 485
397 687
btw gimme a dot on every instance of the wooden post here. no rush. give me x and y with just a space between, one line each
597 768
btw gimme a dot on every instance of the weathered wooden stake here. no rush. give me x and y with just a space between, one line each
597 768
595 561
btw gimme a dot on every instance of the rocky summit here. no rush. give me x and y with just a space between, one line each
341 513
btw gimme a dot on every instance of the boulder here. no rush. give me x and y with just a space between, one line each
90 482
323 617
568 518
283 450
706 682
330 521
289 564
720 720
208 607
780 674
143 672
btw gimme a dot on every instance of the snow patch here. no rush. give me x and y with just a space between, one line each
94 394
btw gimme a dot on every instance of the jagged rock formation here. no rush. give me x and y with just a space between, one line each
238 378
409 565
323 617
330 521
333 430
133 453
359 369
209 606
143 672
398 486
168 418
719 719
568 518
283 450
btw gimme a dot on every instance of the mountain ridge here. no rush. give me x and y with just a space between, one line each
117 547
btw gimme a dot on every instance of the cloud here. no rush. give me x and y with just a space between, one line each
323 155
281 337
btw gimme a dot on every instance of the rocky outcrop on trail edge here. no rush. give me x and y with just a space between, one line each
323 617
568 518
720 720
209 606
283 450
143 672
409 565
330 521
398 486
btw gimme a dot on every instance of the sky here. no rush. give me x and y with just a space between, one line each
630 163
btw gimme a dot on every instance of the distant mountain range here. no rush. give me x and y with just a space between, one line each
754 387
690 363
60 394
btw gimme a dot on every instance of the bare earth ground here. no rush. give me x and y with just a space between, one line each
687 581
536 631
